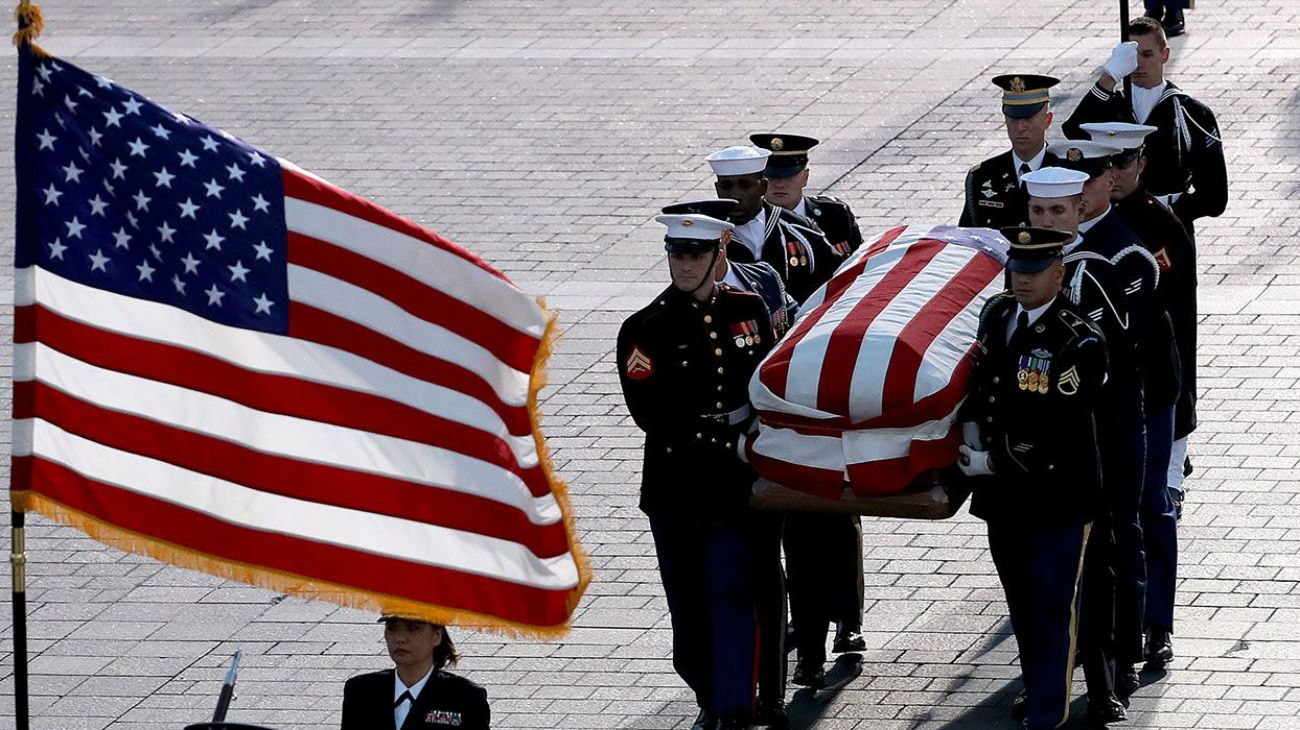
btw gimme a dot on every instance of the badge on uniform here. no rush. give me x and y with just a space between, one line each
1068 384
796 254
780 322
987 189
1033 375
842 248
442 717
638 365
1162 258
745 334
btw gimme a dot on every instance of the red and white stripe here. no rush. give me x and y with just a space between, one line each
865 388
383 445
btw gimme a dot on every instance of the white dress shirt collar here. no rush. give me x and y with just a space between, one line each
1034 164
1034 315
753 234
1087 225
1145 100
401 711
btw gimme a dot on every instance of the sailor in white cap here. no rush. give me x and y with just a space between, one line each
1162 494
793 245
1186 169
684 364
1056 200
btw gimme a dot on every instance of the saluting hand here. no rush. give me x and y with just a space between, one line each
1123 61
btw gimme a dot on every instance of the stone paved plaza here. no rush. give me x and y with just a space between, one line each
543 135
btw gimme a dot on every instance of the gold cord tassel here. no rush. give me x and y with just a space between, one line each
30 25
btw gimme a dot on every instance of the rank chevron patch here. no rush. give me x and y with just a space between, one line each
638 366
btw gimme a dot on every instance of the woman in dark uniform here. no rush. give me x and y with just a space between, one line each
417 693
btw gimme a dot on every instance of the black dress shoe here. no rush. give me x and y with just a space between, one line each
1126 681
848 640
1020 706
773 715
1173 23
1106 710
1160 648
705 721
809 674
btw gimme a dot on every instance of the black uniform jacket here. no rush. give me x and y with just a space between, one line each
447 701
685 368
796 248
1034 399
835 218
994 198
762 279
1137 272
1184 154
1175 254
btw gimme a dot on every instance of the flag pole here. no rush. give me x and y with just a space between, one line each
1124 38
30 24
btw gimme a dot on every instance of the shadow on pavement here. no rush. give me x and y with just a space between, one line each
807 706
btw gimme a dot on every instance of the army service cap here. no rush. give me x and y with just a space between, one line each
692 232
1034 249
1024 95
1127 136
738 160
1092 158
1054 182
789 152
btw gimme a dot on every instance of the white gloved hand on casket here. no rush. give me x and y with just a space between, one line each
974 463
970 434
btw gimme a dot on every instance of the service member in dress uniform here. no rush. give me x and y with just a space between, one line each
995 195
793 245
1162 494
684 363
1185 166
1105 233
418 692
823 552
1040 361
1093 283
787 177
758 277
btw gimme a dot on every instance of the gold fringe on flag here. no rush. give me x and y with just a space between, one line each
30 25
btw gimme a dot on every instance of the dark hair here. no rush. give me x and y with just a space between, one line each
444 654
1148 26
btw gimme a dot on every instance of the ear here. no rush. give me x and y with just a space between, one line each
1142 164
1047 122
762 186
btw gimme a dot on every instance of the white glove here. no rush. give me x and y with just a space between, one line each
974 463
970 434
1123 61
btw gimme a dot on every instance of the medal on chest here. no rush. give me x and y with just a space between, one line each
745 334
1034 372
797 257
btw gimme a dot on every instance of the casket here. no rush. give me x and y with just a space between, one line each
859 401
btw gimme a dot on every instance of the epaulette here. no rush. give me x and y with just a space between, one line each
1079 326
827 199
995 301
976 167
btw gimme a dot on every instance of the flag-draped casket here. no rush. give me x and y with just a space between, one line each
864 389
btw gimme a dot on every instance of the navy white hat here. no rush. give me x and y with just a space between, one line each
1093 158
1054 182
738 160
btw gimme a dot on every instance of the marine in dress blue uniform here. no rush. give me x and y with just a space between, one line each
823 552
684 364
1039 360
1175 254
995 196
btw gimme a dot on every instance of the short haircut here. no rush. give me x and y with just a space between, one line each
1143 25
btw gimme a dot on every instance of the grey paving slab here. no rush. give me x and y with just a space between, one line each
544 135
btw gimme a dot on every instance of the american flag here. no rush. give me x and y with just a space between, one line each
865 387
228 363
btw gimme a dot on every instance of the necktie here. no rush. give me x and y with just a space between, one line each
1022 323
406 697
1024 169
